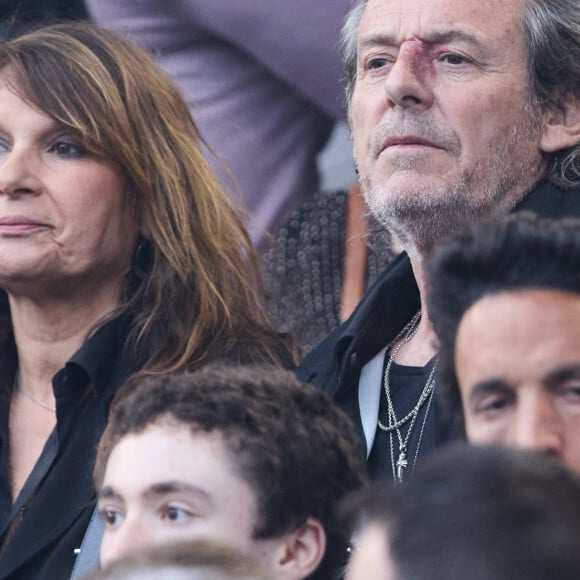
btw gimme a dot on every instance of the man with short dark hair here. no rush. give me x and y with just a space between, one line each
472 513
504 298
249 457
459 109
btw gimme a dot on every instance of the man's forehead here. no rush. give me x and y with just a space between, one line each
536 325
430 20
541 300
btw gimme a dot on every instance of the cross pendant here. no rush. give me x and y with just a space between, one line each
401 464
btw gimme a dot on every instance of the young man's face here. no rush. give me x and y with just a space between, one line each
166 484
517 360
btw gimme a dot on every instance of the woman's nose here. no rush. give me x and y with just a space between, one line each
18 175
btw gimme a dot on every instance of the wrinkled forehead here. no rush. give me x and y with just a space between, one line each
488 23
519 335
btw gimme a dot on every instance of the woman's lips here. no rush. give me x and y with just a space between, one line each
17 225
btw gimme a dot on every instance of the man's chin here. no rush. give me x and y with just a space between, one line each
420 211
404 186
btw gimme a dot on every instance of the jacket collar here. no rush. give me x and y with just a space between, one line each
388 306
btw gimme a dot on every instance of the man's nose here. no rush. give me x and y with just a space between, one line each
408 83
18 173
537 425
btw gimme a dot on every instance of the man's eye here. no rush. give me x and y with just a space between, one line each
176 514
67 149
455 59
111 517
492 404
376 63
572 391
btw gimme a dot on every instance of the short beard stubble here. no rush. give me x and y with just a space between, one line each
419 217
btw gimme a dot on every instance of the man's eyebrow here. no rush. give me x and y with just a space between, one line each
166 487
452 36
161 488
108 492
561 374
455 35
373 40
486 387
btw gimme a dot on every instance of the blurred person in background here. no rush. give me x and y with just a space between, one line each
263 80
120 255
471 513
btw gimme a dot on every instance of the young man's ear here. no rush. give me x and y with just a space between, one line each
300 552
561 127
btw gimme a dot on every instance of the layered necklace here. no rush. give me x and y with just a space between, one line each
396 426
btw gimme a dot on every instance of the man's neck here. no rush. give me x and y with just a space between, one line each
421 348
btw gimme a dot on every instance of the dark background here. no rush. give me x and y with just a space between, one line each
18 15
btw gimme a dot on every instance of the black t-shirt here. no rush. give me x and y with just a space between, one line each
406 385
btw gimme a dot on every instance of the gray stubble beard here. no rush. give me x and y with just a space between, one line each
419 218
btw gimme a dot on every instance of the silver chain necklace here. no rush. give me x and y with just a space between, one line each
394 424
30 396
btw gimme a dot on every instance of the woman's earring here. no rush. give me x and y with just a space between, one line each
141 258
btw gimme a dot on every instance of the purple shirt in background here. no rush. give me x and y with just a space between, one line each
263 81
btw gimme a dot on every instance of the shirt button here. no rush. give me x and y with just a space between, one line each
353 359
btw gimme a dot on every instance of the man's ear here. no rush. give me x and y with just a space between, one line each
299 552
561 127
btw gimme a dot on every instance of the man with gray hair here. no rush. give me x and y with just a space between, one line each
459 109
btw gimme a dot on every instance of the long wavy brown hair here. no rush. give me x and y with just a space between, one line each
194 292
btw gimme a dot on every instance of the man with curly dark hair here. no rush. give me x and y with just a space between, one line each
246 456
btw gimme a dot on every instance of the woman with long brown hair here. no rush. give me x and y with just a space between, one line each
120 255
